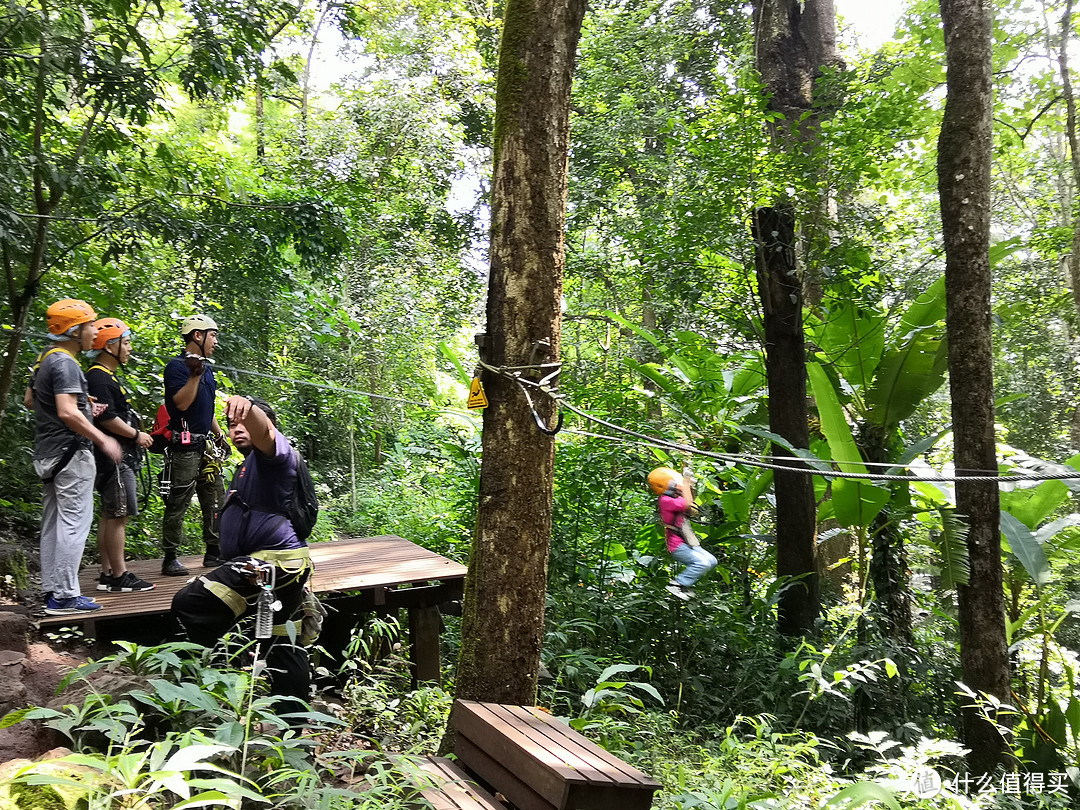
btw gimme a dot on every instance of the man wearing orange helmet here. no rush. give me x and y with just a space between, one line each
115 482
63 431
676 497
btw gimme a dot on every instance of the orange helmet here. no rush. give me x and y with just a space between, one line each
663 478
109 329
65 314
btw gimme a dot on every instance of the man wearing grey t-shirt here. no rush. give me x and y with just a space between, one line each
63 431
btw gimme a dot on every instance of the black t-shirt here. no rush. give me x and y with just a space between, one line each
106 389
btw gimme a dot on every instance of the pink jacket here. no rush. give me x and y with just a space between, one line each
672 513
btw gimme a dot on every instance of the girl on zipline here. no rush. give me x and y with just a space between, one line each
676 498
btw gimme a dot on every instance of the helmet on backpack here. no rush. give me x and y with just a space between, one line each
197 323
109 329
66 314
662 479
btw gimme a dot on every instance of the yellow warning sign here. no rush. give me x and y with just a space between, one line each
477 398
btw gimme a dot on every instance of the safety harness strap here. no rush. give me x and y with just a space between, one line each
290 560
235 601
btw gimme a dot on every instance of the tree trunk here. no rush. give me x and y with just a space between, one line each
964 163
795 41
785 365
503 620
888 561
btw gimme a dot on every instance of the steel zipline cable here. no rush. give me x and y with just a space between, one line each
804 466
796 464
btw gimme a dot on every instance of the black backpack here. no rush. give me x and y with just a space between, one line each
303 506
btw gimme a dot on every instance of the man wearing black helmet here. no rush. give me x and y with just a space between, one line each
193 459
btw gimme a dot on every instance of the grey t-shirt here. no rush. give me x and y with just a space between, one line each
59 373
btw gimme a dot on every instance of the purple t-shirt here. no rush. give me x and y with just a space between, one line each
672 512
252 518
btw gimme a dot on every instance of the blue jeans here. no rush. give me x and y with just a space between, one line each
698 563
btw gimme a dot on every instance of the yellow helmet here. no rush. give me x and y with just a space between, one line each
663 478
63 315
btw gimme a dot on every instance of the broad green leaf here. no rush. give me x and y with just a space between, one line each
615 669
863 793
1034 505
801 452
1025 548
926 310
915 450
857 502
908 375
852 342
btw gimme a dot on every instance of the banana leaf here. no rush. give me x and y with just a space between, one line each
857 502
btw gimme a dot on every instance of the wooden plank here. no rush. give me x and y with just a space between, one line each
559 746
523 760
460 786
447 786
600 758
596 785
495 774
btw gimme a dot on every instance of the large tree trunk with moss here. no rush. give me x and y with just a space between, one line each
964 162
794 41
785 368
503 622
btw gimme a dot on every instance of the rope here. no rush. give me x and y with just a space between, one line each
816 466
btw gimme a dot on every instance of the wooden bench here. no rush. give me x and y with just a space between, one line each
540 763
444 785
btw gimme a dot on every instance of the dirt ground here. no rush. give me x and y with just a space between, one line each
41 672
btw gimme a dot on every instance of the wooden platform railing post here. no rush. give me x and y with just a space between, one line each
424 627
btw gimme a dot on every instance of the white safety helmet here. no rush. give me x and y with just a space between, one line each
198 323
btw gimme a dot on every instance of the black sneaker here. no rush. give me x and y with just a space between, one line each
105 581
127 582
173 568
211 560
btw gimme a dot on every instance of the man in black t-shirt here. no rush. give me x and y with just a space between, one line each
115 482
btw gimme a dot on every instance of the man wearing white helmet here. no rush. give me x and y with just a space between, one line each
193 459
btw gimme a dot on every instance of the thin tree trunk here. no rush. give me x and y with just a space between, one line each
964 175
503 620
260 124
1073 260
785 365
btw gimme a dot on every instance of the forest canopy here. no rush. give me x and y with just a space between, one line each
318 177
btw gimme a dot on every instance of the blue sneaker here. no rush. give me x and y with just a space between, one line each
73 604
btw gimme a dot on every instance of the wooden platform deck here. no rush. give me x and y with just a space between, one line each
358 574
346 565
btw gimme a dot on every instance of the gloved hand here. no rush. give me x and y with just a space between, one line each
195 364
